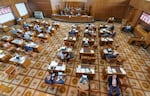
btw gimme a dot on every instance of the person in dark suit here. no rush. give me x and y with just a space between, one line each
113 85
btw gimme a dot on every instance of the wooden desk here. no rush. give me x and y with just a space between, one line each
110 70
70 41
4 57
18 42
106 40
87 52
88 59
56 67
4 28
36 47
83 18
86 70
23 61
44 37
7 38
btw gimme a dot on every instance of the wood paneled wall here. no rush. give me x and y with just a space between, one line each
41 5
104 9
11 3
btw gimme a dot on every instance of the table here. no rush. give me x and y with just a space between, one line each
87 52
36 47
70 41
108 51
4 28
57 67
20 60
104 31
7 38
86 70
44 36
4 57
106 40
18 42
83 18
119 71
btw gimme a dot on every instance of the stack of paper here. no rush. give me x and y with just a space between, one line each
123 71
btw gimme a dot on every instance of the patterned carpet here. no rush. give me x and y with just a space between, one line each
30 82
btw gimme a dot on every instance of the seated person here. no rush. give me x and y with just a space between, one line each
69 56
127 28
86 42
25 25
84 82
37 28
111 27
29 50
26 36
60 78
48 29
72 32
111 54
50 79
113 86
14 31
61 55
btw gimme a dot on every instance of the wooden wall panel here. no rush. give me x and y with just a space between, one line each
41 5
141 5
107 8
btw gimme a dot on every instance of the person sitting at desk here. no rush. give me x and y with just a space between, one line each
113 86
111 27
50 79
29 50
38 28
127 28
69 56
61 55
84 82
72 32
26 36
60 79
86 42
48 29
14 32
111 54
25 25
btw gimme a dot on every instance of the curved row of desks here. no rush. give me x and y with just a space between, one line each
80 19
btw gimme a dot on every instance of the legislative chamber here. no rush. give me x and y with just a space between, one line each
74 48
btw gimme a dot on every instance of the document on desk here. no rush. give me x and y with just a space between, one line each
2 55
109 70
114 70
82 50
92 51
123 71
